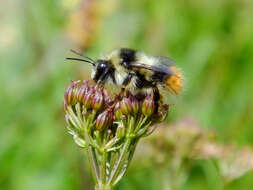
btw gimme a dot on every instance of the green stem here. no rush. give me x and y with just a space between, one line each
103 187
132 150
140 124
130 156
120 162
92 159
103 167
76 122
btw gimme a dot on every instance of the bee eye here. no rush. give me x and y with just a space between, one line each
102 64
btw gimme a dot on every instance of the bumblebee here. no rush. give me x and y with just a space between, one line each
136 71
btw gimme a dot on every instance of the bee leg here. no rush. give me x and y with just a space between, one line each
126 81
101 79
157 98
99 84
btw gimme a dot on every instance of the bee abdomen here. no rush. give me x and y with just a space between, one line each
159 77
174 82
141 81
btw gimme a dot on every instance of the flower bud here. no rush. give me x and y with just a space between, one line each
87 98
117 111
135 105
70 94
126 106
148 105
104 120
108 100
97 100
79 94
120 133
82 91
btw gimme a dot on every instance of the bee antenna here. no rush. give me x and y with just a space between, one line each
83 60
78 53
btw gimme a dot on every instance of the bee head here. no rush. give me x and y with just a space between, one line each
100 70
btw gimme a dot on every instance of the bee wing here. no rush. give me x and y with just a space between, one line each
165 60
159 64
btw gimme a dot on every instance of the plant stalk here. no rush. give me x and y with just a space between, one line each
103 167
120 162
92 159
103 187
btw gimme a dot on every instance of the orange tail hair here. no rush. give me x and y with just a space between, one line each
174 82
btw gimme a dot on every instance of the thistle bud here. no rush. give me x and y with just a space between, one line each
120 133
117 111
98 100
148 105
70 94
104 120
126 106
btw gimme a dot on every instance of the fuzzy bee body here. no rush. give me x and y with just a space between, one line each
136 71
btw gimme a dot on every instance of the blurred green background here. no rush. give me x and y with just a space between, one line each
212 40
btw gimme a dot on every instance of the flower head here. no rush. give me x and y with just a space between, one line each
103 123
